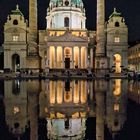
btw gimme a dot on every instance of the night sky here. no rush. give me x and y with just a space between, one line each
130 10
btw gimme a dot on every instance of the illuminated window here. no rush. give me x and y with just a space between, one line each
16 110
116 39
116 107
15 38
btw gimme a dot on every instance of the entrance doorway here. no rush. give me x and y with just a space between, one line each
67 63
15 63
67 57
117 62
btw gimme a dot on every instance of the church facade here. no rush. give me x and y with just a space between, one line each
65 43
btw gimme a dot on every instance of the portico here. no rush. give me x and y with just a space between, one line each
67 52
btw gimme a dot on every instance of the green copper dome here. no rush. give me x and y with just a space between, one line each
73 2
77 2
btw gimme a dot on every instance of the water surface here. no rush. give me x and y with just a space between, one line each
69 110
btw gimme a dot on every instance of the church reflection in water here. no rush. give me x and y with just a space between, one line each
60 110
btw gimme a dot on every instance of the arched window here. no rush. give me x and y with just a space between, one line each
66 22
117 24
15 22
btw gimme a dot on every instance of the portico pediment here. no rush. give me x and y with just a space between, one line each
67 37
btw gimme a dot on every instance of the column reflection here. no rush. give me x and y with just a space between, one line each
57 110
66 108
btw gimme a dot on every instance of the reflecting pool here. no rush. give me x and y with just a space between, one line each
69 110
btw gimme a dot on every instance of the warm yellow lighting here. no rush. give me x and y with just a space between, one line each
75 33
52 57
52 92
117 87
59 92
52 116
60 116
83 57
76 92
117 60
116 107
76 56
83 91
116 39
46 110
83 34
59 33
75 115
16 110
83 114
15 38
52 33
59 57
68 97
67 51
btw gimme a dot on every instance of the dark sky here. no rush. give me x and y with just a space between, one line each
130 10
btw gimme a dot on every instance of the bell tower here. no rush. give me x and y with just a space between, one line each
117 42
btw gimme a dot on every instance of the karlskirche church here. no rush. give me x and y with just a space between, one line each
65 43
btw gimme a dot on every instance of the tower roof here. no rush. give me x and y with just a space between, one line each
115 14
17 11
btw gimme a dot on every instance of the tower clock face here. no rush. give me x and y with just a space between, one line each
67 3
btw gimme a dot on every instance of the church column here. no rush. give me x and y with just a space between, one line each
73 91
79 57
47 61
63 58
79 91
48 56
72 57
86 57
56 92
91 58
55 59
63 92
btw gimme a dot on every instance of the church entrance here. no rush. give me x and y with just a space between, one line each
15 63
117 62
67 63
67 57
